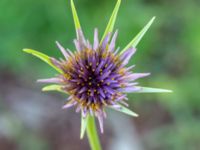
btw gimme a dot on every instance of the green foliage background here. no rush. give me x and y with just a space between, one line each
169 50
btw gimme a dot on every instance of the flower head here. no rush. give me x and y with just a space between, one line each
96 75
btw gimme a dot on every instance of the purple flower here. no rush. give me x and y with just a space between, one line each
96 75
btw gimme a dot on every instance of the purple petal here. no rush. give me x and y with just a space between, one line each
84 112
70 98
104 75
62 49
109 90
116 106
121 98
124 103
101 93
129 68
100 66
105 41
77 45
81 39
83 89
69 104
116 51
135 76
125 57
100 119
129 89
78 108
96 40
50 80
70 52
112 43
88 45
91 112
56 62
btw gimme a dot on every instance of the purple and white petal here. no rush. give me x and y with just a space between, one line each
129 89
69 104
125 57
112 43
96 40
105 41
50 80
62 49
135 76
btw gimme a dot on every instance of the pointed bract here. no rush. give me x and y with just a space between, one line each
153 90
138 37
111 23
125 110
75 16
79 33
43 57
54 87
84 121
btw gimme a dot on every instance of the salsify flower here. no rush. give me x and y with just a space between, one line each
96 75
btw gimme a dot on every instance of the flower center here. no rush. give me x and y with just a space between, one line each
94 77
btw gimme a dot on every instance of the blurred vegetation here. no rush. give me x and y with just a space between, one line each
169 50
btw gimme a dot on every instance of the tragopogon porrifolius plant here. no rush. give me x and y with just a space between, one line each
96 75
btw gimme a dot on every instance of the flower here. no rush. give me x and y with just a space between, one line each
96 76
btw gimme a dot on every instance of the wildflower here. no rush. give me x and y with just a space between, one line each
96 75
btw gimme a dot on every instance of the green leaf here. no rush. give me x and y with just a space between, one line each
84 121
75 16
153 90
139 36
112 20
43 57
126 111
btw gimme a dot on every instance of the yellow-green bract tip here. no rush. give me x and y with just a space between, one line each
27 50
139 36
112 20
75 16
52 87
43 57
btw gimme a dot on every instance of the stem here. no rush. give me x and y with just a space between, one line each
92 134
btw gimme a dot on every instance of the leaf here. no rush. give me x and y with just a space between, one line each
84 121
75 16
43 57
112 20
152 90
139 36
125 111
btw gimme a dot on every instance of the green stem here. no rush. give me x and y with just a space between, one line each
92 134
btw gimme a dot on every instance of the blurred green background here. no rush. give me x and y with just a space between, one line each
32 120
